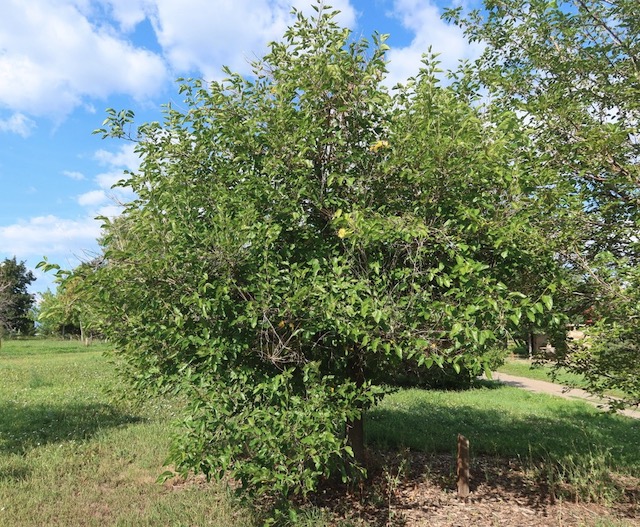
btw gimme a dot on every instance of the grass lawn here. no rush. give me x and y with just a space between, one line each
541 372
506 422
70 456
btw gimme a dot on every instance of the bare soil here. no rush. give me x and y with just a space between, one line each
416 489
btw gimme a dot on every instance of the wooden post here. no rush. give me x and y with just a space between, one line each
463 466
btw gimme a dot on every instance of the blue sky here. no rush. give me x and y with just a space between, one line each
63 62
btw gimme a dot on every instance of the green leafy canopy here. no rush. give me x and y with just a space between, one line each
571 68
15 299
302 232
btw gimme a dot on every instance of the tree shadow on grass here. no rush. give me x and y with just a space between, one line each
23 427
14 472
525 428
521 443
510 424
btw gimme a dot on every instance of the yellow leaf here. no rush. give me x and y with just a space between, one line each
378 145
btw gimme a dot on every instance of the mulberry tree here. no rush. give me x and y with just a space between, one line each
298 232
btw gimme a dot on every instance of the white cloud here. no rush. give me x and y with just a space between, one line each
92 198
106 180
129 13
57 55
105 195
118 196
49 235
423 19
109 211
52 57
18 123
124 157
201 35
78 176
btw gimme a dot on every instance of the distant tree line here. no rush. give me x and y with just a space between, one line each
67 312
16 302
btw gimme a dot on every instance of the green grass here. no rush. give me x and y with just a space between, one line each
503 421
70 456
22 348
580 452
541 372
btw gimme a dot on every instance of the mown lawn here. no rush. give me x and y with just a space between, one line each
544 372
541 372
71 456
505 422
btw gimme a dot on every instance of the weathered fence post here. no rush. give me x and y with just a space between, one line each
463 466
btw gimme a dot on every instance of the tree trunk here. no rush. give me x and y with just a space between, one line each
355 427
355 437
82 335
463 465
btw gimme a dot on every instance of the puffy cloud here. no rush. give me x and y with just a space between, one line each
125 157
57 55
71 174
106 180
52 57
423 19
17 123
109 211
201 35
117 196
59 237
129 13
49 235
92 198
118 161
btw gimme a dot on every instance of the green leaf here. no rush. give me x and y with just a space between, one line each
165 476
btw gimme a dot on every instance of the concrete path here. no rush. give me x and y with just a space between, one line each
550 388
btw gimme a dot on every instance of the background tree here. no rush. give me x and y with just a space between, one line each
3 301
70 310
300 232
51 319
571 69
15 301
